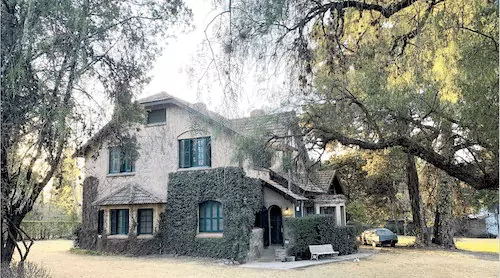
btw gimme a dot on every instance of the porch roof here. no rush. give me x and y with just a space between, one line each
131 194
284 190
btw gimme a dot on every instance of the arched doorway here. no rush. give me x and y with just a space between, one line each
275 225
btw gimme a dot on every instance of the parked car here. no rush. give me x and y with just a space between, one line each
379 236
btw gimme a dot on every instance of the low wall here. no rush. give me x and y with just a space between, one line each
129 246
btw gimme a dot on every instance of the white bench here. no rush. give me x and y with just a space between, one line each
324 249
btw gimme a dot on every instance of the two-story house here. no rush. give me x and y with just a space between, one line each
129 195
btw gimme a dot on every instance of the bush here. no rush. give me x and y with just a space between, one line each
49 229
24 270
77 235
318 229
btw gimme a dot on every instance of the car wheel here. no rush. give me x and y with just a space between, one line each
393 244
374 244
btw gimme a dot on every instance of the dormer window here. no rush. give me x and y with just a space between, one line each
156 116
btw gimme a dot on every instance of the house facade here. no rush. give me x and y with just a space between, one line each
129 194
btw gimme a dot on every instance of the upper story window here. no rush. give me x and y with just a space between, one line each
211 219
120 161
157 116
195 152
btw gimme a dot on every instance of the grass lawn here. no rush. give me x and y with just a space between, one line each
468 244
55 255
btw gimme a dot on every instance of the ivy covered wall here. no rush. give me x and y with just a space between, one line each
240 196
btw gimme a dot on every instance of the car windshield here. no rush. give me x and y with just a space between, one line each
384 232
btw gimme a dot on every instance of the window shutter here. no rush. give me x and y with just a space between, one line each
208 152
114 160
100 222
184 153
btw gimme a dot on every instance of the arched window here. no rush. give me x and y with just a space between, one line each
211 218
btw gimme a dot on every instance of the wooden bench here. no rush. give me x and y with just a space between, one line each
324 249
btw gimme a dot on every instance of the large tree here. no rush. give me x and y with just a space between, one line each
419 75
56 57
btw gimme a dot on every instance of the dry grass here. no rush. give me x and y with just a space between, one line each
390 262
490 245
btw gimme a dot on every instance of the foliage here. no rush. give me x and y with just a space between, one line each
356 211
25 270
385 74
49 229
56 56
319 229
79 251
375 184
255 149
241 199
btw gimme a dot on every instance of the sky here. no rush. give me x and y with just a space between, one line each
171 72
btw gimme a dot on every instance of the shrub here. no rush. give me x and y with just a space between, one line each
24 270
318 229
49 229
77 235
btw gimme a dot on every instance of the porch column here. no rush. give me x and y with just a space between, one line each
316 209
106 225
338 215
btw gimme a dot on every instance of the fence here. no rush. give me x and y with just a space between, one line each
49 229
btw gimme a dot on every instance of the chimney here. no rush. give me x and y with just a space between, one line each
257 113
200 106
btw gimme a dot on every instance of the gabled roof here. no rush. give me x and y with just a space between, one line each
325 179
272 124
302 181
319 181
278 187
131 194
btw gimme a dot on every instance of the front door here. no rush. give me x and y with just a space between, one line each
276 222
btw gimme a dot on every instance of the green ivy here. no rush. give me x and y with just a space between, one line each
318 229
241 199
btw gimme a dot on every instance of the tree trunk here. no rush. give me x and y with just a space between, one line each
443 233
422 235
9 242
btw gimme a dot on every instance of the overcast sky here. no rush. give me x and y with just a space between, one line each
171 71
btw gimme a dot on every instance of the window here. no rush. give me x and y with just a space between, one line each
145 225
157 116
342 215
100 222
211 219
120 161
194 152
329 211
119 221
309 210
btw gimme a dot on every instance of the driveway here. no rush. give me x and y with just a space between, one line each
398 262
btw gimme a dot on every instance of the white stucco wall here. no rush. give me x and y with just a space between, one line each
159 153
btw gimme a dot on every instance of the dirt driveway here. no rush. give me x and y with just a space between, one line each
398 262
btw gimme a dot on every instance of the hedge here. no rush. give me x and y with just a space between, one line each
318 229
49 229
241 198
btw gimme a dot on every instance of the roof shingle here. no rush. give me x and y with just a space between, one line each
131 194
